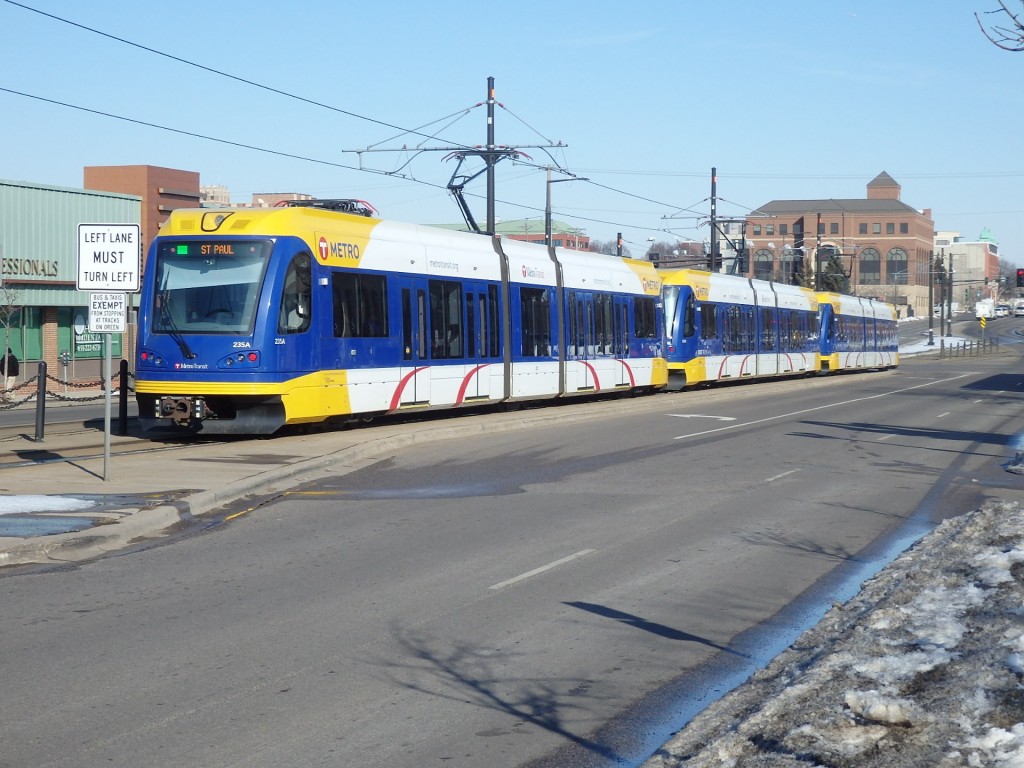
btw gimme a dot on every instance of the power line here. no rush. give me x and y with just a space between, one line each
271 89
228 75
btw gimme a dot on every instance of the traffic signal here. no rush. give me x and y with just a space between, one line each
1020 278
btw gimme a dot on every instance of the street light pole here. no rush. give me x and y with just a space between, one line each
547 203
949 299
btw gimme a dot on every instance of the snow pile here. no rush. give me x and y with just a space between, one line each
12 505
923 668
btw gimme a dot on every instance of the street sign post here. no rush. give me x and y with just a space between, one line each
110 266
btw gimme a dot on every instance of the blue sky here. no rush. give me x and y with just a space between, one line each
804 100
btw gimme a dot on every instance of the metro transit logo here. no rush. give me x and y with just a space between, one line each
538 274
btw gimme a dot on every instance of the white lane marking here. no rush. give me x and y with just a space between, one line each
702 416
886 437
779 476
535 571
819 408
943 414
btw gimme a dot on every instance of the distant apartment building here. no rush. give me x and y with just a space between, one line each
883 244
975 265
214 196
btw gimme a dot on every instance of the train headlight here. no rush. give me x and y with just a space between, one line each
247 359
150 358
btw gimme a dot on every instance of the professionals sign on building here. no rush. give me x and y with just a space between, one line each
109 257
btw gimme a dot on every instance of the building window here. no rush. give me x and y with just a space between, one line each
876 229
821 228
769 229
904 228
862 229
764 264
896 267
783 229
757 229
833 228
870 267
890 228
798 227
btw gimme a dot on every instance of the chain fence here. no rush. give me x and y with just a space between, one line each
29 390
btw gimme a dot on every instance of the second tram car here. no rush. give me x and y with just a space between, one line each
729 328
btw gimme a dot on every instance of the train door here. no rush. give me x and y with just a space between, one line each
582 342
481 330
414 383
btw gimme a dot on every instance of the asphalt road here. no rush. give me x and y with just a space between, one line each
551 597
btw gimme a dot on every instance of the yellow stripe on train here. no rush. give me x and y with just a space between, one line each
305 398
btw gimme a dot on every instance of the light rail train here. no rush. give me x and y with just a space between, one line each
254 319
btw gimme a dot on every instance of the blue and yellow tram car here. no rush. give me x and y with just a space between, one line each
730 328
857 333
251 320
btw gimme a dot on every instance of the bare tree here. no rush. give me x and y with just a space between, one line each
1009 38
9 307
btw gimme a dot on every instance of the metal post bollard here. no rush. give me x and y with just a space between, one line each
122 399
41 401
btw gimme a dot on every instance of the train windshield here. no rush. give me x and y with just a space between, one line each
208 286
679 312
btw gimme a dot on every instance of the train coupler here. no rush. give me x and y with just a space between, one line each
181 410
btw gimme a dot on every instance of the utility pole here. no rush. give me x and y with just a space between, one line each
490 158
491 154
714 221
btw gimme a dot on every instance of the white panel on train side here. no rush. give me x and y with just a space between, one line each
584 271
795 297
851 305
730 289
431 251
529 263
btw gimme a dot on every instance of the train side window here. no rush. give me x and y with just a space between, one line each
603 323
421 324
644 318
360 305
406 324
708 320
573 324
447 337
294 314
494 326
690 318
472 340
767 329
536 322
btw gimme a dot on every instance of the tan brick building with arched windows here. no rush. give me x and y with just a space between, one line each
883 244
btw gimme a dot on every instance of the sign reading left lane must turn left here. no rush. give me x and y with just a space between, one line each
109 257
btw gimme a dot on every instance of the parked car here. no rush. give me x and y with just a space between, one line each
1003 310
1018 311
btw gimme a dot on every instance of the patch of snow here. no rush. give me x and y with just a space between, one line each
10 505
